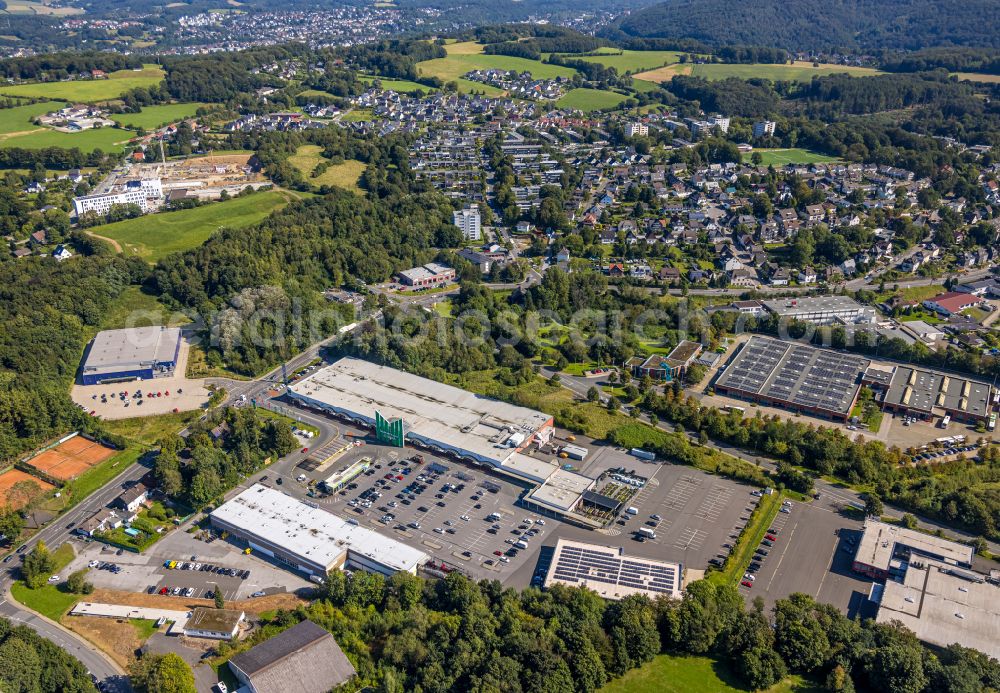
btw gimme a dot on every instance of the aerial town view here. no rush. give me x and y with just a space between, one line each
541 346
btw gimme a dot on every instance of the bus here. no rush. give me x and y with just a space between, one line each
731 408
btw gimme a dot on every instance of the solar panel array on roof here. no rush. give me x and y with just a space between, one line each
795 373
581 565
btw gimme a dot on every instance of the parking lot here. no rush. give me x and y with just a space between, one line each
442 508
812 553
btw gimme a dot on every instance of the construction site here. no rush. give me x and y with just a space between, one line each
202 178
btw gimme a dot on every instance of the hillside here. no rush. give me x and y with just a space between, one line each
866 25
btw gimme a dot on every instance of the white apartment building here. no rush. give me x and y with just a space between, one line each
468 221
137 192
763 128
633 129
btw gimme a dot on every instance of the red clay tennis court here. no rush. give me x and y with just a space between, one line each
72 458
9 478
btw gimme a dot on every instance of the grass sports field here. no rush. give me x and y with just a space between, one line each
18 119
797 71
344 175
154 116
92 89
400 85
678 674
780 157
155 236
590 99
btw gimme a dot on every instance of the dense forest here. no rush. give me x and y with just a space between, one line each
52 67
406 634
808 25
47 312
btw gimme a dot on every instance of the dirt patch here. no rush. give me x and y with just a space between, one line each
10 478
117 637
284 600
216 160
663 74
114 244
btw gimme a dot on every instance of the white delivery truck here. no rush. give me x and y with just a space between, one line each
647 532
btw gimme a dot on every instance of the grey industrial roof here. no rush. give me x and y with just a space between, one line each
131 347
812 304
943 607
796 373
303 658
434 411
924 390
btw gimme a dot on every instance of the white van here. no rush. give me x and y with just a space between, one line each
520 545
632 510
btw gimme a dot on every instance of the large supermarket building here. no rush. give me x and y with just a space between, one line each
309 539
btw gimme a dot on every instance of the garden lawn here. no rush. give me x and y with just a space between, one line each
152 117
400 85
780 157
38 137
90 90
684 674
590 99
47 600
155 236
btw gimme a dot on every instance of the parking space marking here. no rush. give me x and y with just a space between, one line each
690 539
715 502
681 493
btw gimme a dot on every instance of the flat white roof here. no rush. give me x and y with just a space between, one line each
879 540
311 533
612 574
132 347
561 490
942 608
434 412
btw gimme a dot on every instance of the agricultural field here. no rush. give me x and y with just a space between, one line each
590 99
90 90
18 119
37 137
39 8
780 157
344 175
798 71
978 77
152 117
400 85
680 674
631 61
155 236
458 63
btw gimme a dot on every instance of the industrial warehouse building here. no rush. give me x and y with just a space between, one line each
885 550
308 539
794 376
925 394
135 353
821 310
403 408
943 605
